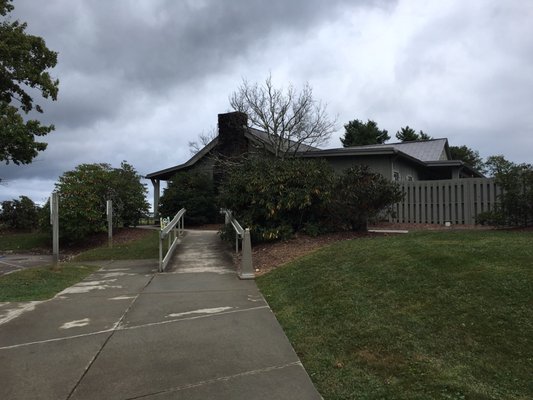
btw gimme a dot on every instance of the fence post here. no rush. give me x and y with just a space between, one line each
109 210
160 252
247 269
54 220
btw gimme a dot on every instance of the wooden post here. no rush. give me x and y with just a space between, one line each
247 269
54 221
156 183
109 210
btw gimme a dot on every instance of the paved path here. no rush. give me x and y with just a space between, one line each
11 262
127 332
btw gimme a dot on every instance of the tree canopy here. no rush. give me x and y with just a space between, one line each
408 134
469 156
84 191
358 133
194 191
292 119
19 214
515 201
24 65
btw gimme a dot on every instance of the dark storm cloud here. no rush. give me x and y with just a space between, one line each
169 41
110 50
139 79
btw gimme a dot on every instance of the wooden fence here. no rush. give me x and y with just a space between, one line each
457 201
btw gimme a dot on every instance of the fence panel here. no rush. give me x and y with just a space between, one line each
457 201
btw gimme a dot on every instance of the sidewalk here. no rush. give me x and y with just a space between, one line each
126 332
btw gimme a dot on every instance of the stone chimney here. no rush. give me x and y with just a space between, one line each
231 130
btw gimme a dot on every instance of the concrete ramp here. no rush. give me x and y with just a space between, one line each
127 332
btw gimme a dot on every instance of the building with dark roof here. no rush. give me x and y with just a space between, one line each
406 161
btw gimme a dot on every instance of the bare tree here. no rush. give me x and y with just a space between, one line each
291 120
203 140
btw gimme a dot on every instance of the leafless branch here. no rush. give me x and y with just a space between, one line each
203 140
292 120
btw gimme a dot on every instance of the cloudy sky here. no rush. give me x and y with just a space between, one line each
139 79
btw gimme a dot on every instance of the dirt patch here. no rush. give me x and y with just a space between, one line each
268 256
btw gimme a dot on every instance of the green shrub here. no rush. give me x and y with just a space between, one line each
83 194
360 195
275 197
19 214
515 206
494 217
193 191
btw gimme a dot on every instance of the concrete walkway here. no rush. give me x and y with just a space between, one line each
11 262
127 332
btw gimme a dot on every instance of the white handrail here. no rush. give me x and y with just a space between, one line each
246 270
174 231
239 231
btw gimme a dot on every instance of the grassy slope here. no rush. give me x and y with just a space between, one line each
421 316
40 283
147 247
24 241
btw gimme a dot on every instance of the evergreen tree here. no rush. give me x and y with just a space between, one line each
357 133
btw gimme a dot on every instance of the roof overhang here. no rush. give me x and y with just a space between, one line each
166 174
455 163
361 152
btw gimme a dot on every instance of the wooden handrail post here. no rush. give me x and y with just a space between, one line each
54 220
247 269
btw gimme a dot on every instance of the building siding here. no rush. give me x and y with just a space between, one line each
379 164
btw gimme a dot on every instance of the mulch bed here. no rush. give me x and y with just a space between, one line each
267 256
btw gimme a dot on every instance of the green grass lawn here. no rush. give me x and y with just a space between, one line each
41 283
144 248
25 241
429 315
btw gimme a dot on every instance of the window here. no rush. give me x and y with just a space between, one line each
395 176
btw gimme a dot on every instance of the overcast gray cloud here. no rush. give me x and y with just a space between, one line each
138 80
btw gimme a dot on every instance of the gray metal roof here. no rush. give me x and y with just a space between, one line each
424 150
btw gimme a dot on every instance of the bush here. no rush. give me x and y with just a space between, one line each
515 206
494 217
19 214
275 197
193 191
360 195
128 195
83 194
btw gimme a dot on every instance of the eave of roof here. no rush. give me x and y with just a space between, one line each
454 163
388 150
362 151
167 173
